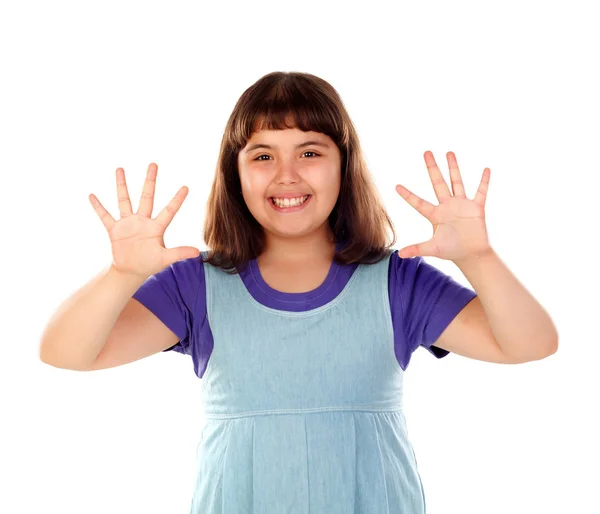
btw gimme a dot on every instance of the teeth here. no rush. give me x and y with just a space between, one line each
290 202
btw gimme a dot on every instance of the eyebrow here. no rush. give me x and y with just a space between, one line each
306 143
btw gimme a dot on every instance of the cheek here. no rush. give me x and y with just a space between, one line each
253 191
250 183
329 184
257 192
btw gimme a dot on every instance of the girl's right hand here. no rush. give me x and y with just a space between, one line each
137 241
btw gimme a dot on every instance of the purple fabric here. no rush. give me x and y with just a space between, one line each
423 301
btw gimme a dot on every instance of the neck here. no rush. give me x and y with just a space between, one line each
301 249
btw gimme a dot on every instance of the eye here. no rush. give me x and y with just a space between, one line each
265 155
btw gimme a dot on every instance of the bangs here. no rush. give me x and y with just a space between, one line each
283 103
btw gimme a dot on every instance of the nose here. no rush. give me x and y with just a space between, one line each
286 174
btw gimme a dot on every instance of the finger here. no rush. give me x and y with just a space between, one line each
165 216
439 184
107 220
147 199
428 248
458 188
123 195
481 195
181 252
422 206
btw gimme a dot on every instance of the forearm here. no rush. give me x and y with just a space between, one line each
519 323
76 333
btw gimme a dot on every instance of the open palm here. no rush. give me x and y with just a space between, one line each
459 228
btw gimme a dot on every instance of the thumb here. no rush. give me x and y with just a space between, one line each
418 250
182 252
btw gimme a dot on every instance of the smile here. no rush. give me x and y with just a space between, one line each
290 204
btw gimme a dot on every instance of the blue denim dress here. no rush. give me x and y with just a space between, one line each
304 409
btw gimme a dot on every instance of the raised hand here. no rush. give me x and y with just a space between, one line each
459 229
137 241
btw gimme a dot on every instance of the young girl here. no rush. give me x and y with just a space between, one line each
302 320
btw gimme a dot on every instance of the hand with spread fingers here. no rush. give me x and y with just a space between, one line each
459 229
137 239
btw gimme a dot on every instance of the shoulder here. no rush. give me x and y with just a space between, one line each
180 282
402 270
405 271
187 271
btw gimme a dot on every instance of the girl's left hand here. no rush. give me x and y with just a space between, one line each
459 230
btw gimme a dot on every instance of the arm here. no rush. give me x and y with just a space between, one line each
76 333
505 324
520 325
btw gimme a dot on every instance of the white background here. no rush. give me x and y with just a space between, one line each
90 87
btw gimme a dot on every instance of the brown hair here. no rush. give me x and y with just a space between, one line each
358 219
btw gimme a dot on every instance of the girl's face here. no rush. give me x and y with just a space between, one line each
304 167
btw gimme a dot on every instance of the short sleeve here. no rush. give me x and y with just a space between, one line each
428 301
171 295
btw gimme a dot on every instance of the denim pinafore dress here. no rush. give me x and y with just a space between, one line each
304 409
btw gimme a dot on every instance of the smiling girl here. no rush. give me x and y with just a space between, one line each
301 319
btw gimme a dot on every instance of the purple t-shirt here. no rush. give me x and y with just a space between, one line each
423 302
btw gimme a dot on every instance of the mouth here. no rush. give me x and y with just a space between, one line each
289 206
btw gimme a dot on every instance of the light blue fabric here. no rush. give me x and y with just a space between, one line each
304 409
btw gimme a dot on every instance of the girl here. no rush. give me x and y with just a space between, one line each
301 320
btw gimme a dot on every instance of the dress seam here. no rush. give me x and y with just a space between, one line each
385 487
389 322
353 408
307 466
